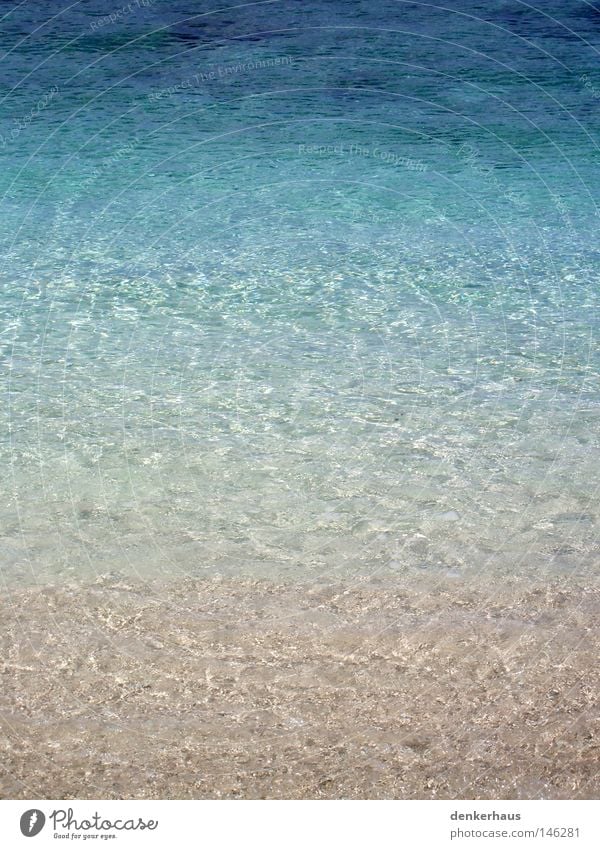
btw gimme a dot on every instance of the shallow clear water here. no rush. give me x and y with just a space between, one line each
299 291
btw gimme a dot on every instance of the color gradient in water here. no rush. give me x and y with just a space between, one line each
299 290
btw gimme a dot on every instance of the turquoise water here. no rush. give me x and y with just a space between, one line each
299 290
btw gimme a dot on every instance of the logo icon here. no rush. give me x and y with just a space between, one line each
32 822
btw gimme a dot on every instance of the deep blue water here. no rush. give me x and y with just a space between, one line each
299 288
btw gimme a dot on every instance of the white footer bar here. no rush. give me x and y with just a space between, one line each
291 824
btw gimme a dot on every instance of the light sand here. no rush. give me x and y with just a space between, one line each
413 688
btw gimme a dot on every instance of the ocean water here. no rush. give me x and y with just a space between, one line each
299 290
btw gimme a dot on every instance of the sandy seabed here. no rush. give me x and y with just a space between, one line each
416 687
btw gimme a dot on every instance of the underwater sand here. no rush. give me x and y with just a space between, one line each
417 687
